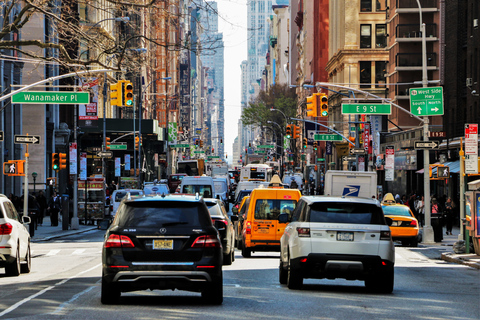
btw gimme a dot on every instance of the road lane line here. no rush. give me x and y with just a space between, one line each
75 297
52 252
33 296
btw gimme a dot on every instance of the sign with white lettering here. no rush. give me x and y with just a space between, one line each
51 97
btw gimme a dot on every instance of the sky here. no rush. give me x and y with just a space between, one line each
232 22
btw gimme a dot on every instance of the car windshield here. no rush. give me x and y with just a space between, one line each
269 209
203 190
346 212
396 211
158 214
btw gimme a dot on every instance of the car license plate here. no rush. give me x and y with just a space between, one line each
344 236
163 244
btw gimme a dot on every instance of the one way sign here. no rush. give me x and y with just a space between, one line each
426 145
27 139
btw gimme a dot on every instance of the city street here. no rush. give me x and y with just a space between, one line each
65 284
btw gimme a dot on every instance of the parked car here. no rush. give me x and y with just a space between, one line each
174 181
337 237
118 195
15 254
162 242
223 223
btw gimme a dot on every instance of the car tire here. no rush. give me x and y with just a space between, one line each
110 294
246 253
294 278
213 294
228 258
27 265
282 273
233 254
239 244
383 282
12 269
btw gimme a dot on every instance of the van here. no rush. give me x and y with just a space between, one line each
221 189
261 229
118 195
202 184
248 185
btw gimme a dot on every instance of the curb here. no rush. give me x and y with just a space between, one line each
48 238
463 259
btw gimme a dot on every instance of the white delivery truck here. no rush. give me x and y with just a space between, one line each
351 183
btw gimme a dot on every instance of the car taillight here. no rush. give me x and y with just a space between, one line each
118 241
236 206
248 228
413 223
6 228
385 235
208 241
303 232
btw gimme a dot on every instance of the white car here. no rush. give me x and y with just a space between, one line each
118 195
14 239
337 237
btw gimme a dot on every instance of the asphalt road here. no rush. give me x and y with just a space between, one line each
65 284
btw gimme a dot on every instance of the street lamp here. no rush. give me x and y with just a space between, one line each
34 176
273 109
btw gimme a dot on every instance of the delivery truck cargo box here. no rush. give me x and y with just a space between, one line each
351 183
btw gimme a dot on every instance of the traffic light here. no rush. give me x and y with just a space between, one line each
107 143
51 182
350 145
63 161
213 150
197 142
137 142
201 144
289 131
305 143
323 105
315 145
116 91
296 132
221 140
312 106
128 94
14 168
56 161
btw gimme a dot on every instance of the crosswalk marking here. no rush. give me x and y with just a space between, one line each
53 252
78 252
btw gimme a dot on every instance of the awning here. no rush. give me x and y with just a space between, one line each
454 167
421 170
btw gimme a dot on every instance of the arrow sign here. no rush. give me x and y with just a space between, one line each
426 145
105 154
357 151
27 139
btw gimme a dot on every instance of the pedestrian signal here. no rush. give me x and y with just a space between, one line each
14 168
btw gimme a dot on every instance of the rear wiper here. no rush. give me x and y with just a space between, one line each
174 223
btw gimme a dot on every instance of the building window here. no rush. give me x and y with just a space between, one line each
366 6
365 74
380 70
365 36
381 36
381 5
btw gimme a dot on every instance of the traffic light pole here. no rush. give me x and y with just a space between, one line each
25 184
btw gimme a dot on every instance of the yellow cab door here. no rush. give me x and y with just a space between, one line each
287 201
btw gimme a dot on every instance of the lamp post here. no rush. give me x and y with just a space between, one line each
169 165
34 176
286 121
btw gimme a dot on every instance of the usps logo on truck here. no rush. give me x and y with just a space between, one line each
351 191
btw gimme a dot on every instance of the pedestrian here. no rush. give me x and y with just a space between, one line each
397 199
420 206
436 218
449 215
54 207
411 205
42 204
32 213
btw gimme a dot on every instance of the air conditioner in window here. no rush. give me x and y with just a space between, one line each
475 23
469 82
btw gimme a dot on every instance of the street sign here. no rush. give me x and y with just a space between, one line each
426 101
327 137
180 146
357 151
105 154
366 108
213 157
320 159
349 158
426 145
118 147
268 146
259 151
27 139
51 97
198 151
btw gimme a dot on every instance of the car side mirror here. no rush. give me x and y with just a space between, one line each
389 221
283 218
26 219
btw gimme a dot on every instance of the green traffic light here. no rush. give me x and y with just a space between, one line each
55 167
129 102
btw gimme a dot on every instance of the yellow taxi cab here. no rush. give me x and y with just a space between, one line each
404 226
261 229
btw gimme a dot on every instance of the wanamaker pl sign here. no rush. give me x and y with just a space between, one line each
51 97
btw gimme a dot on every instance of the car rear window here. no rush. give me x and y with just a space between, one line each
269 209
160 214
243 194
203 190
396 211
345 212
214 209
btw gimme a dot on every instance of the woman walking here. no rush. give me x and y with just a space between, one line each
449 215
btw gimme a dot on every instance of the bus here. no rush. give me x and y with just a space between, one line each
258 172
193 167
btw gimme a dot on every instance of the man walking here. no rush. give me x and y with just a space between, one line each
54 206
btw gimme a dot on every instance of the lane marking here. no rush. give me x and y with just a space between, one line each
75 297
52 252
78 252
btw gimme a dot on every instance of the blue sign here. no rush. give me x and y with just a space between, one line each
351 191
328 147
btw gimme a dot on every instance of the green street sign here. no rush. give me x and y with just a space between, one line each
366 108
259 151
51 97
213 157
267 146
180 146
320 159
118 147
426 101
327 137
198 151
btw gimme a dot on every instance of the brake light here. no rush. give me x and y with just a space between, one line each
118 241
6 228
208 241
303 232
248 228
413 223
236 206
385 235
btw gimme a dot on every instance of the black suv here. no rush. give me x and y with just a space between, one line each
162 242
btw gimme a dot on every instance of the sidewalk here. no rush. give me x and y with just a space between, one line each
46 232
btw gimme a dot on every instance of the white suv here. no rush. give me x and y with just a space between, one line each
14 239
337 237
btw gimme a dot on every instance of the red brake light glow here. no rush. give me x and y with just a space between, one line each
118 241
6 228
413 223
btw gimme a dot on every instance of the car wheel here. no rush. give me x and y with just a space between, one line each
246 253
213 294
233 254
13 269
227 259
282 273
27 265
110 294
239 244
383 282
294 278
